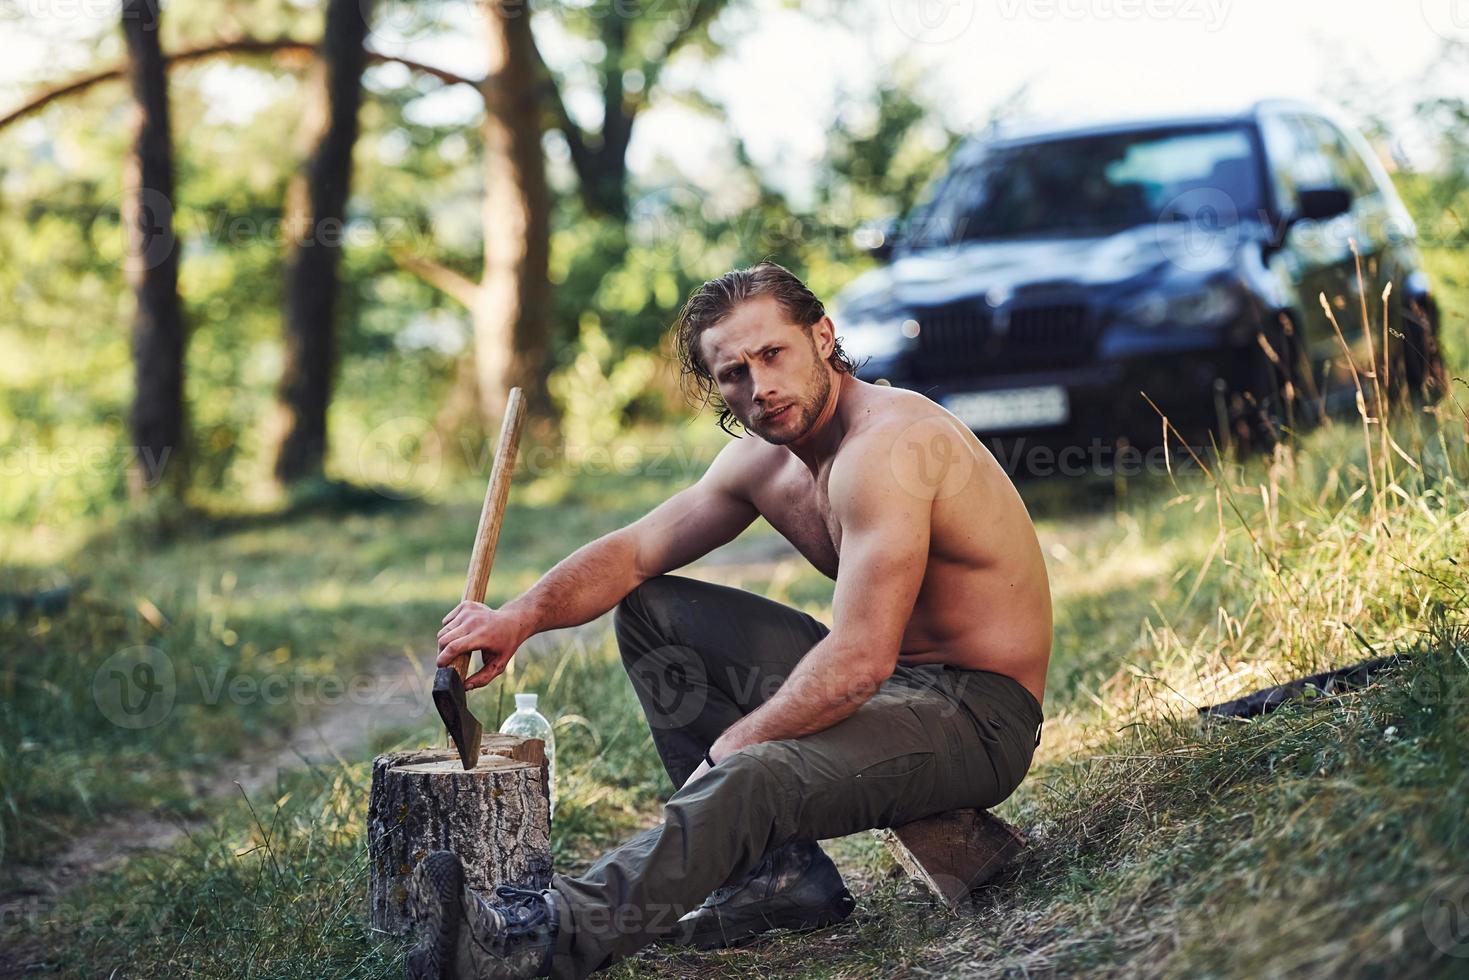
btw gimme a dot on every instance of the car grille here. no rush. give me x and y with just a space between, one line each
955 341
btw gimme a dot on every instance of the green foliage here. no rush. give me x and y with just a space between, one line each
416 191
594 391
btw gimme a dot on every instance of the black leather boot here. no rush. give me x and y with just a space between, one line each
793 887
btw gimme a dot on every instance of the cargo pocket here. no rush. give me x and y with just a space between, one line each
907 745
896 790
898 785
897 767
991 727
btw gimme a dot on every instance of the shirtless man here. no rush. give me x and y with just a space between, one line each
923 696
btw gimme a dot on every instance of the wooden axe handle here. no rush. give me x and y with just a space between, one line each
493 512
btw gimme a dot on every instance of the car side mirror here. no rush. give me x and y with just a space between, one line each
1323 203
877 239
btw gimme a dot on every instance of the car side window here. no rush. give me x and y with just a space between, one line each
1306 151
1313 165
1294 161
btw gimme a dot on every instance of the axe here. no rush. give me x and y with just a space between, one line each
464 728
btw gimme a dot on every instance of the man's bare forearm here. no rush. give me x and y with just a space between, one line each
828 685
581 587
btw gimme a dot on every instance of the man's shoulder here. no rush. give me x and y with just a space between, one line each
746 462
902 437
893 417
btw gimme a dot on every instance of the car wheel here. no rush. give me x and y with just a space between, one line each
1423 379
1276 397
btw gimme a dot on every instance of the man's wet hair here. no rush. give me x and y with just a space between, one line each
717 299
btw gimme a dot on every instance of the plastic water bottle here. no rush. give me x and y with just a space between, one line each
526 722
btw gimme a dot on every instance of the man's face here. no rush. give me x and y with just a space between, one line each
771 373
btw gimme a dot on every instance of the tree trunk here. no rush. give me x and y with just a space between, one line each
316 215
157 418
495 817
512 307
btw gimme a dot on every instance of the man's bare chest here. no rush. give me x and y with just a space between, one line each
798 507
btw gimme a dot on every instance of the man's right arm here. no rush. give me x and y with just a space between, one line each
595 577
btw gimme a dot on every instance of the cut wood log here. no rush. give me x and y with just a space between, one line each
496 817
953 853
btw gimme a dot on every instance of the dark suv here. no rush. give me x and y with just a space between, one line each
1051 280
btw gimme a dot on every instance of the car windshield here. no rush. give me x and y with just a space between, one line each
1092 185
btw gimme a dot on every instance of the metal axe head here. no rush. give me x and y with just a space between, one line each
464 728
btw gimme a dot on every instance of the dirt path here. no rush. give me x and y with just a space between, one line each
340 735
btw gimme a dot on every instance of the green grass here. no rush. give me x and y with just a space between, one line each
244 611
1310 842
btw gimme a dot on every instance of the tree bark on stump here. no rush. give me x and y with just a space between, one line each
496 817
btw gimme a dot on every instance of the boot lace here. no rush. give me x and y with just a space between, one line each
524 909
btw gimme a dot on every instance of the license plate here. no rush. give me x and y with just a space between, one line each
1013 408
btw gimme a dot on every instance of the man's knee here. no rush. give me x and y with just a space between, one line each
638 620
732 815
658 666
757 784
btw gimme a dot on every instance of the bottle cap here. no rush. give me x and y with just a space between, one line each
526 702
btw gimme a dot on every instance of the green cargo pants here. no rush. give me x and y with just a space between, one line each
701 656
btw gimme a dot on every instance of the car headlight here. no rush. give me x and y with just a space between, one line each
1212 304
872 338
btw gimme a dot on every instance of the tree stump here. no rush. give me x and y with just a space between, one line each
953 853
496 817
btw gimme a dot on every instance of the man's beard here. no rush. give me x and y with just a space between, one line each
804 410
